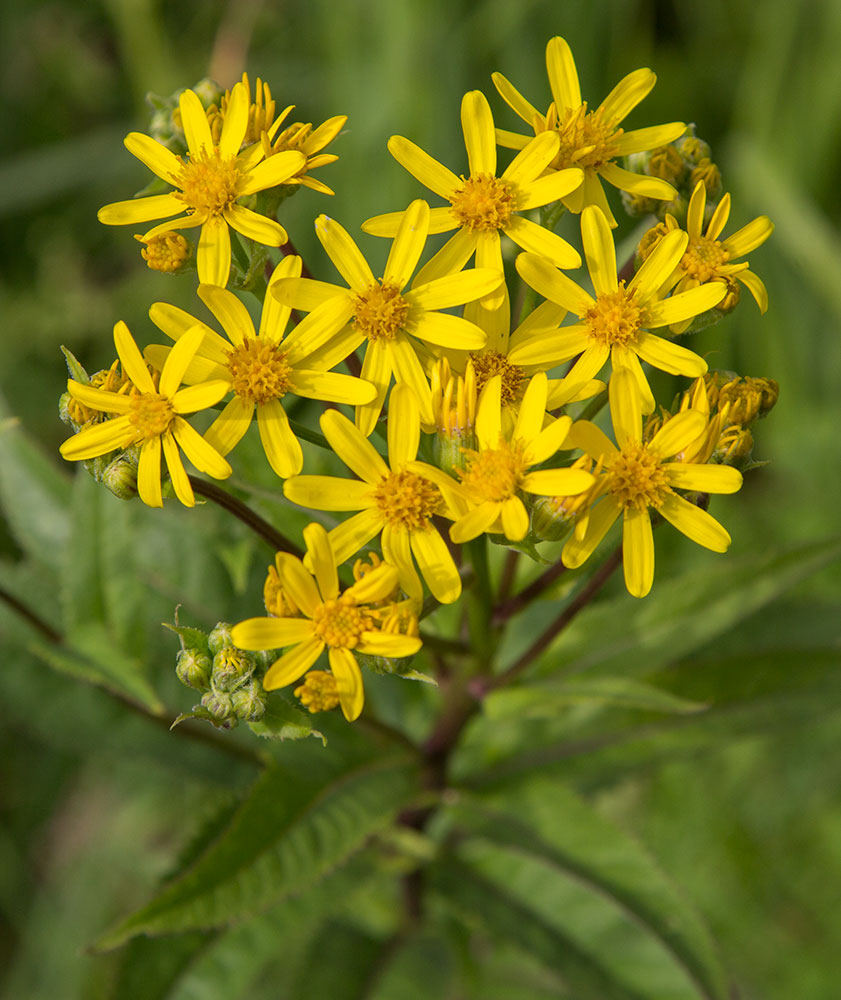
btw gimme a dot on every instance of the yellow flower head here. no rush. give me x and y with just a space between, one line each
152 417
341 622
484 205
708 258
591 140
496 473
397 500
616 322
641 476
261 367
261 112
208 184
383 312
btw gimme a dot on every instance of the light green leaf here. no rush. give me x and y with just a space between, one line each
287 834
545 699
539 818
284 721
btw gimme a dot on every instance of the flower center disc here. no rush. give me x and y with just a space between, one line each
340 623
702 257
484 203
494 474
614 318
587 140
407 500
380 311
491 363
319 692
638 479
151 413
259 371
209 183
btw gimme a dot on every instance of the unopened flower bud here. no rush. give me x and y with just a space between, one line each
219 704
708 172
249 702
319 692
120 475
734 446
278 601
219 637
666 163
193 668
168 252
692 149
231 668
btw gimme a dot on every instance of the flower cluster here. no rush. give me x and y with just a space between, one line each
468 407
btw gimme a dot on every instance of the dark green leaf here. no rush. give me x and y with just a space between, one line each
284 721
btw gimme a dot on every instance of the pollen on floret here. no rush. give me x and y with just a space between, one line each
638 479
165 253
588 139
151 414
380 312
259 371
484 203
702 257
614 318
209 183
494 474
407 500
489 363
319 692
340 623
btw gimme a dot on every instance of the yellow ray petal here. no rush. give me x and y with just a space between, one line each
293 664
352 447
282 448
98 440
552 284
203 456
638 552
230 311
638 184
756 287
642 139
749 237
657 268
696 524
552 187
275 315
149 473
602 517
668 356
548 441
551 348
599 250
436 565
213 258
228 429
515 519
332 387
514 99
316 332
557 482
348 537
302 293
697 209
397 552
627 94
489 255
684 305
156 157
625 407
408 244
132 360
407 368
475 522
376 369
423 167
455 289
156 206
446 330
194 122
678 432
273 171
179 357
175 322
563 76
235 121
530 163
299 582
200 397
177 475
478 126
452 256
255 227
328 493
323 561
344 253
389 644
488 414
704 478
348 682
403 426
590 439
538 240
99 399
532 410
271 633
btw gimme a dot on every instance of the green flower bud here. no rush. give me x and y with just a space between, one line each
219 704
232 667
193 668
219 637
120 475
249 702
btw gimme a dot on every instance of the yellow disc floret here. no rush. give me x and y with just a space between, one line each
494 474
209 183
703 257
484 203
380 312
637 478
490 363
319 692
151 413
614 318
407 500
587 138
259 371
166 252
340 623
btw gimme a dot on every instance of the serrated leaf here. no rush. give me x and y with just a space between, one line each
34 495
89 655
539 817
545 699
287 834
628 637
284 721
191 638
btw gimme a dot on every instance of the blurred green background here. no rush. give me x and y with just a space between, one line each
750 827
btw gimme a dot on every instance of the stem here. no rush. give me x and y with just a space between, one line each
46 630
261 527
516 603
303 432
288 249
481 686
509 573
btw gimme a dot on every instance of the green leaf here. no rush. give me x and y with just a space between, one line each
34 495
545 699
90 656
540 818
149 967
285 721
626 637
287 834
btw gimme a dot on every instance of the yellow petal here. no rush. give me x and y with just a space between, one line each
299 582
638 551
397 552
344 253
293 664
704 478
684 305
642 139
156 206
213 258
389 644
376 369
352 447
194 122
199 397
514 99
99 399
590 439
203 456
668 356
446 330
475 522
348 537
317 330
638 184
408 244
332 387
228 429
515 519
550 348
678 432
275 315
271 633
657 268
489 255
306 294
599 250
488 414
176 363
375 585
323 561
328 493
455 289
625 407
627 94
175 322
282 448
563 77
749 237
532 410
699 526
552 284
157 158
697 209
756 287
557 482
403 426
548 441
602 516
149 473
530 163
177 475
423 167
230 311
132 360
98 440
235 121
451 257
407 368
552 187
273 171
538 240
255 227
478 126
436 565
348 682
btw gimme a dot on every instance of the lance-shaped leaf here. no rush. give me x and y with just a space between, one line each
287 834
544 823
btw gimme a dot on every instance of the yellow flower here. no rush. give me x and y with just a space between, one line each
497 471
344 623
153 418
390 499
591 140
616 323
708 258
383 312
483 205
307 140
208 185
638 478
261 368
